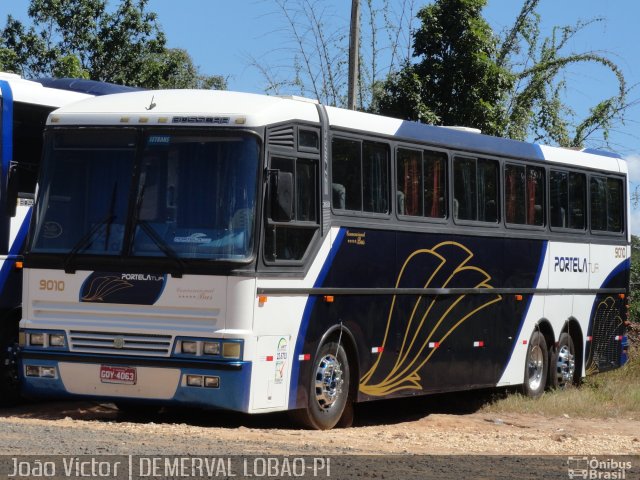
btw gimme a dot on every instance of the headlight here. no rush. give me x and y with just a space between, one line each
231 350
189 347
36 339
211 348
56 340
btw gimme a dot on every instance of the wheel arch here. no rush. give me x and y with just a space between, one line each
544 327
574 330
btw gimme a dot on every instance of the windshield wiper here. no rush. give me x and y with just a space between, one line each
86 238
164 246
86 241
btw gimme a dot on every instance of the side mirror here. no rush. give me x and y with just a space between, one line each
281 192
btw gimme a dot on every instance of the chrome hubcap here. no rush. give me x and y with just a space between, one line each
536 367
565 366
328 381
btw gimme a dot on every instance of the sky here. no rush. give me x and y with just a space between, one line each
227 37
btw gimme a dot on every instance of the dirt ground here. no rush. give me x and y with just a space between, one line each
437 425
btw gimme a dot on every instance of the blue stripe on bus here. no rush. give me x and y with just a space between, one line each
543 256
311 301
7 129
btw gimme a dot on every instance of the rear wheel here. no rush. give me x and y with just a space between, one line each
328 402
536 366
562 372
9 378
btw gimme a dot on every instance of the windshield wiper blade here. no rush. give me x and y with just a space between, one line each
164 247
85 241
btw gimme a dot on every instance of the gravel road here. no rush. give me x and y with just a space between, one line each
435 426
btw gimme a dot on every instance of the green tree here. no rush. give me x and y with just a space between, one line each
84 38
462 73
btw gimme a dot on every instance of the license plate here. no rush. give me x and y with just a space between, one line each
124 375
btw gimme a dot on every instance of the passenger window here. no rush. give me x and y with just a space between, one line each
606 204
524 194
346 175
360 176
421 189
568 200
475 183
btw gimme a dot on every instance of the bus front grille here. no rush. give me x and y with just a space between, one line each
120 344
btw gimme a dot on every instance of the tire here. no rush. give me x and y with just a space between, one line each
536 366
329 403
9 375
562 368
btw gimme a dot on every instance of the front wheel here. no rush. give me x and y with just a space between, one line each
328 401
536 366
563 363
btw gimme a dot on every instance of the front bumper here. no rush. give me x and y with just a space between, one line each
158 381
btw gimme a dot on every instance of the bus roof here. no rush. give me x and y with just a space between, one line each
32 92
201 107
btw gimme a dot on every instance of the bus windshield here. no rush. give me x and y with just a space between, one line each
175 194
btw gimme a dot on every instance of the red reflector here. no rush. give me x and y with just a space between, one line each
269 358
479 343
304 356
589 339
377 349
524 342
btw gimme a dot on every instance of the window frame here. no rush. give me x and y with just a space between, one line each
447 203
563 168
499 223
623 206
361 139
545 196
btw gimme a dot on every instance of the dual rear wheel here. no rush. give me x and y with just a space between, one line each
556 369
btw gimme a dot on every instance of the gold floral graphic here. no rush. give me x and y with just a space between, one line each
606 323
102 287
427 319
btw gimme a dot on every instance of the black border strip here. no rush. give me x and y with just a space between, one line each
438 291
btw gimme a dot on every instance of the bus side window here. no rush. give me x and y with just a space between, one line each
346 173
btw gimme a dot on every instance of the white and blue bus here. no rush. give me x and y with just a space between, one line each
24 108
254 253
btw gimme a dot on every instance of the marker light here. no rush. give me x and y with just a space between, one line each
36 339
231 350
194 380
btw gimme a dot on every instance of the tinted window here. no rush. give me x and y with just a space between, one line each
476 186
568 199
606 204
421 189
360 176
524 194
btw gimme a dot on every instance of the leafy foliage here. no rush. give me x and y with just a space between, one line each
86 39
512 86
